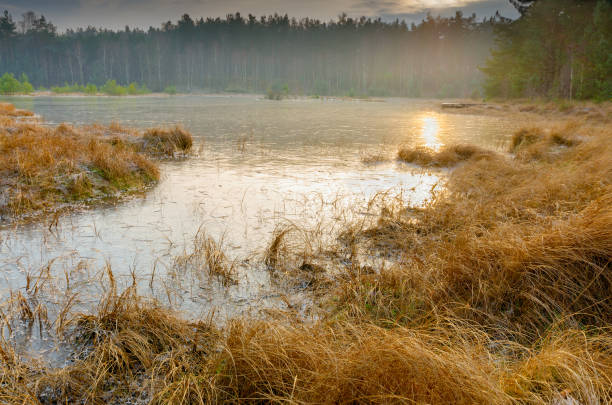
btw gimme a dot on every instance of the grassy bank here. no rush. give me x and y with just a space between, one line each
44 169
500 292
537 109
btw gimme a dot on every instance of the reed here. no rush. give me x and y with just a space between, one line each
207 256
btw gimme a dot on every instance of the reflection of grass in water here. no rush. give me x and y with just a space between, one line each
500 294
241 143
374 157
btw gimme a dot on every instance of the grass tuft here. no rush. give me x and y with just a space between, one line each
167 141
448 156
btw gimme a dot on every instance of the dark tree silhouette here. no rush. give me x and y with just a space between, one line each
558 49
522 5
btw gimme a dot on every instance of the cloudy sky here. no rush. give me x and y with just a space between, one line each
144 13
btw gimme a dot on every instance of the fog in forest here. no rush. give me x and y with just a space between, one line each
439 56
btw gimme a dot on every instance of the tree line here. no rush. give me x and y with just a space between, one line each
437 57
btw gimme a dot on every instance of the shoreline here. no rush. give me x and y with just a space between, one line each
203 94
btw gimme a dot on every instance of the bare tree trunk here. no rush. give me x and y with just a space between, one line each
159 66
80 61
104 61
71 71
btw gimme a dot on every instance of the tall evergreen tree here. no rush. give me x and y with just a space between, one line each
557 48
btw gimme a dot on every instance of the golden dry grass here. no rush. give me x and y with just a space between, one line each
167 141
133 348
520 242
208 256
9 110
448 156
552 110
45 168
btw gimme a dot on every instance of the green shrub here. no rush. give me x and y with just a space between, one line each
277 91
26 86
91 89
9 85
132 89
110 88
144 89
113 89
68 88
170 90
135 89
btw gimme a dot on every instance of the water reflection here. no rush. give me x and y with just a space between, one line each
430 130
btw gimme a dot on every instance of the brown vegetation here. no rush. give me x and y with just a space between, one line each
46 168
167 141
208 256
501 293
9 110
448 156
552 110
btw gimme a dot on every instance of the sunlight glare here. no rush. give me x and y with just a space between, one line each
430 131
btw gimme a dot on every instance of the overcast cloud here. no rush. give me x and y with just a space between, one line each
144 13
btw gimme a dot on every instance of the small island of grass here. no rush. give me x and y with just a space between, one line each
46 169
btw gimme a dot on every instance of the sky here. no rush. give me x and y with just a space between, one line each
144 13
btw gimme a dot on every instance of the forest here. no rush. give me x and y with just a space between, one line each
556 49
438 57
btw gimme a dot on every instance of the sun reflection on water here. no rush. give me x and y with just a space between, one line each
430 130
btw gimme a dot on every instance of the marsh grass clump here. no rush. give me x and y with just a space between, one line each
167 141
208 256
525 137
9 110
293 248
277 247
448 156
130 349
293 257
44 168
533 143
